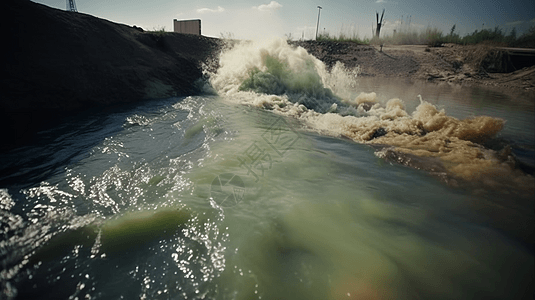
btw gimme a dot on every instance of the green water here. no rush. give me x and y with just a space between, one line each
136 214
258 193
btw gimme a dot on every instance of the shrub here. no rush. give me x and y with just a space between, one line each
347 34
485 35
432 37
158 31
526 40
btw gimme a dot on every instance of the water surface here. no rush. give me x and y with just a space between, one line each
222 197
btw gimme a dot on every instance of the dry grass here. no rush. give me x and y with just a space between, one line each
347 34
430 36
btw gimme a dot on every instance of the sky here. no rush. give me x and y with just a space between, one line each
298 19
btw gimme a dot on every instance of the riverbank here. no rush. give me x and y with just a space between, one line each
455 64
60 63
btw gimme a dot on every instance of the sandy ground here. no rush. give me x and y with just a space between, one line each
455 64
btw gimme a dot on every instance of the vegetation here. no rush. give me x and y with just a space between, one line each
495 36
325 36
527 39
434 37
430 36
347 34
485 35
159 31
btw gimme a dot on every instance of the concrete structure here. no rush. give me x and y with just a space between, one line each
187 26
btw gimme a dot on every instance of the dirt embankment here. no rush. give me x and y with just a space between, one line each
59 63
471 65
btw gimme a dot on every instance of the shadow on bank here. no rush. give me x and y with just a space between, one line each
61 63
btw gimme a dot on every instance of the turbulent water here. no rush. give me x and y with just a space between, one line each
286 180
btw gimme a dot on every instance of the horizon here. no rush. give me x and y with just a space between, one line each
250 20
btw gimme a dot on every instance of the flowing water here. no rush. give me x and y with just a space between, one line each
284 181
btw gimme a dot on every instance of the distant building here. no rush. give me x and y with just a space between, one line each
187 26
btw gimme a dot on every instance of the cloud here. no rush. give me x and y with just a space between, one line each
385 1
515 23
273 5
209 10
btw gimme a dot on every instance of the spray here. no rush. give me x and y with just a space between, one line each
289 81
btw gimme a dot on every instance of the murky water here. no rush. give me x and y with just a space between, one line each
248 196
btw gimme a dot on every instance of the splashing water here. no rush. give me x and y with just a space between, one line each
131 210
275 68
292 82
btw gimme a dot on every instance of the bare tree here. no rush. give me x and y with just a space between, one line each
379 23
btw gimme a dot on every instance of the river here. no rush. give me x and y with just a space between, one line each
283 181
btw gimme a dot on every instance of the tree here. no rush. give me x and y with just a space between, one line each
527 39
452 37
452 29
379 23
512 35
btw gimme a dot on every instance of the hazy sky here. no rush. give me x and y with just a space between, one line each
261 18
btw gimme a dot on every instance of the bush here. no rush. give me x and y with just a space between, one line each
526 40
432 37
485 35
346 35
158 31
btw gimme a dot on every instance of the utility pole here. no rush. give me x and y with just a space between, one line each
318 23
71 6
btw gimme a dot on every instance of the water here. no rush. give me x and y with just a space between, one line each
243 195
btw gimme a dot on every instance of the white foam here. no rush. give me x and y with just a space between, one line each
274 67
427 132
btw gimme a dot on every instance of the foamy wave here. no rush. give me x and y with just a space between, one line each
291 82
275 68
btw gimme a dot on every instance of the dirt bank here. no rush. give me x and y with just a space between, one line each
469 65
59 63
